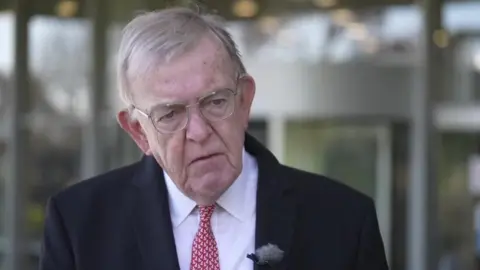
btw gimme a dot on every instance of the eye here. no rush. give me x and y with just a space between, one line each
167 116
218 101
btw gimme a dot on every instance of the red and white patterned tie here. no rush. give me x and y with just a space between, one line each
204 249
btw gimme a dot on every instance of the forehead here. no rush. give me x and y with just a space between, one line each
205 68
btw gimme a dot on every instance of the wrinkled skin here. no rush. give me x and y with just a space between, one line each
204 69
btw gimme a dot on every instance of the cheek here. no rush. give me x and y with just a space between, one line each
170 151
232 134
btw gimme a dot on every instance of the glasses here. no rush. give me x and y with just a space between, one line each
170 118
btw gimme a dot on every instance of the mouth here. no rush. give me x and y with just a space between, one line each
203 158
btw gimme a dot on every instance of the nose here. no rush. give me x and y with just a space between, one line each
198 129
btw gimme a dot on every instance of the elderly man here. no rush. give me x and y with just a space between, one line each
206 195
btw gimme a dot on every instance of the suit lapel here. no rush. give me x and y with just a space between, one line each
151 218
275 203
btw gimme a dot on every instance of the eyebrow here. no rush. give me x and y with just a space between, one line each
199 98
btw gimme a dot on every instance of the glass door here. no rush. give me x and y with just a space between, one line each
359 154
457 202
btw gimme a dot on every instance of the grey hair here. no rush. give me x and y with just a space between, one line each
157 37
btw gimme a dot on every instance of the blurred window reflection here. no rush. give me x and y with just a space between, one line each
347 153
59 63
258 129
6 65
344 35
456 203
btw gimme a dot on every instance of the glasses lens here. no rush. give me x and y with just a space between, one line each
169 118
219 105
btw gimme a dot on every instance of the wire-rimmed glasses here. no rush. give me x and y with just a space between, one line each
173 117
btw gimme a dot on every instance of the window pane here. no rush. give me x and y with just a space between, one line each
343 152
456 203
59 61
6 66
120 148
258 129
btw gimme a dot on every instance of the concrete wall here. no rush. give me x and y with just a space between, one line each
347 90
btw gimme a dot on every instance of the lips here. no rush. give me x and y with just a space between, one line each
204 157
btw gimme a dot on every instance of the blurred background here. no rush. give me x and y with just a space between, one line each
383 95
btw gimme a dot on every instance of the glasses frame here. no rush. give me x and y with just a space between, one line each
188 106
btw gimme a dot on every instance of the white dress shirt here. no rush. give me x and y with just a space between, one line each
233 222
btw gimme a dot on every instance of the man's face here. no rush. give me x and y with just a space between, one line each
206 157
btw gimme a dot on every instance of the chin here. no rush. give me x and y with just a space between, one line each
210 186
209 168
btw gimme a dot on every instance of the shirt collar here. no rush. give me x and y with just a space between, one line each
239 200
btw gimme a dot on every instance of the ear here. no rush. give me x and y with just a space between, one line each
135 130
247 89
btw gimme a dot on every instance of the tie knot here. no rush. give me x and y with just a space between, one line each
206 213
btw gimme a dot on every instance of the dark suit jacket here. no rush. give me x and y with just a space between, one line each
121 221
